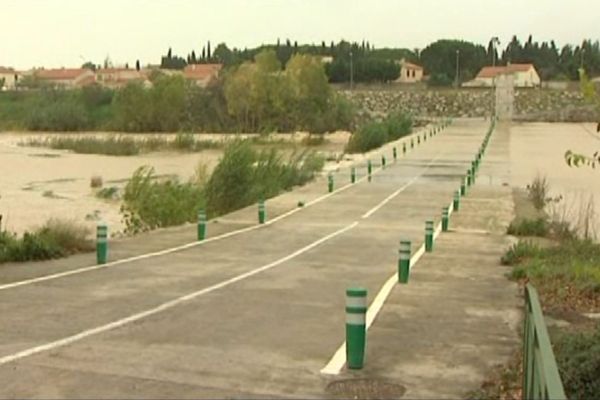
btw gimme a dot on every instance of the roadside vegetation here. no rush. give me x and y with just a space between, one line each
55 239
558 254
123 145
243 176
375 134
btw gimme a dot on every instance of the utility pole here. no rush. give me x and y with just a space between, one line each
351 71
457 67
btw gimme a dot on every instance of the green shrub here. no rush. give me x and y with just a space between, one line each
62 114
150 203
578 359
55 239
368 137
398 125
243 176
518 252
529 227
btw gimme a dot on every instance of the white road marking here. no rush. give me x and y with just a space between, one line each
185 246
170 304
337 362
403 188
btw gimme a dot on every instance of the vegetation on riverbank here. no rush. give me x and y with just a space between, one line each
55 239
243 176
377 133
123 145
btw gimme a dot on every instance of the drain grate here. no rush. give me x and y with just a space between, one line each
366 389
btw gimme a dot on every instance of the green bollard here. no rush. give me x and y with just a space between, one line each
330 183
463 188
369 169
429 236
445 219
102 243
382 162
412 143
456 202
353 175
395 152
356 327
404 262
201 225
262 212
425 137
403 148
418 139
469 181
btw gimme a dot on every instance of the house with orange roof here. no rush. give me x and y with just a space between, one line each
202 74
409 72
66 77
8 78
115 78
524 75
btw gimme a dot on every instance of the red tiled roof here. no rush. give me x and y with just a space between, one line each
201 71
492 72
6 70
407 64
61 74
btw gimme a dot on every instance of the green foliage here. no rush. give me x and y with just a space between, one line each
529 227
370 136
55 239
150 202
243 176
439 60
375 134
518 252
262 98
572 262
440 80
578 359
56 110
398 125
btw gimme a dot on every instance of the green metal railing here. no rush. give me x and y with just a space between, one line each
541 379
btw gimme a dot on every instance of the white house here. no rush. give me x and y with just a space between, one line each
9 77
118 77
409 72
524 75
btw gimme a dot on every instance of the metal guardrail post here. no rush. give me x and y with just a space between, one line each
541 379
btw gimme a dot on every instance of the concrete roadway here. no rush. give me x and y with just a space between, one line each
253 315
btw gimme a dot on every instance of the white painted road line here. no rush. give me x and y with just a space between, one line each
403 188
182 247
337 362
170 304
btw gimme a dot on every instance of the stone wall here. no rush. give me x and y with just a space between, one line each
530 104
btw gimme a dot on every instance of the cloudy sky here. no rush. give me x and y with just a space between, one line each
57 33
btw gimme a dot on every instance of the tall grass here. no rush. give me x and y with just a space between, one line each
55 239
375 134
121 145
242 177
150 202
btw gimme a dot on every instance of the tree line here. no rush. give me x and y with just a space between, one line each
362 62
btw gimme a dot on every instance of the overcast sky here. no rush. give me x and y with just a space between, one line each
56 33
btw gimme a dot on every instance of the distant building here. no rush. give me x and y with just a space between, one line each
115 78
524 75
66 77
202 74
10 77
326 59
409 72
